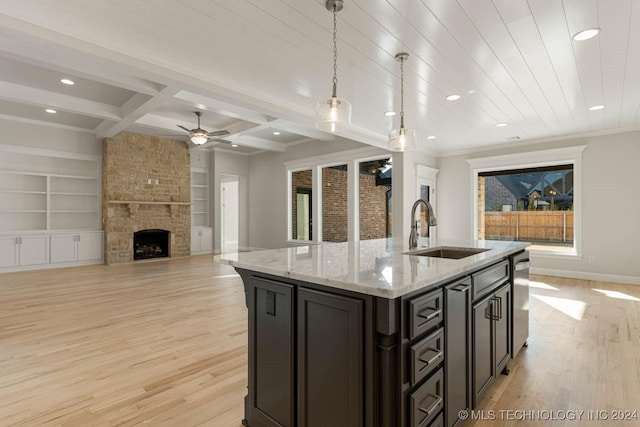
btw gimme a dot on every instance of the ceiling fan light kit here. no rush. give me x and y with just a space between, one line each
199 136
402 139
334 114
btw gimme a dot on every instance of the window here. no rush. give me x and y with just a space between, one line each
374 184
533 205
335 219
340 197
301 205
533 197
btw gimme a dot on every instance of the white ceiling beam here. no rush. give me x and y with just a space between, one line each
258 143
48 99
43 123
223 108
31 44
134 109
303 130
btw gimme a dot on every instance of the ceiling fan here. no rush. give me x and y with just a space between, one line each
199 136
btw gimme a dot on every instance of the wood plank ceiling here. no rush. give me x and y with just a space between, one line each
263 64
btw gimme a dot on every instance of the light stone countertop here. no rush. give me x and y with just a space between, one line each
373 267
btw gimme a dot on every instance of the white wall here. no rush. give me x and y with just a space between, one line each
226 163
611 230
50 138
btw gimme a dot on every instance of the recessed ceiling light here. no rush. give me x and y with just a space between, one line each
431 137
596 107
276 133
50 111
501 125
390 113
586 34
67 82
234 145
453 97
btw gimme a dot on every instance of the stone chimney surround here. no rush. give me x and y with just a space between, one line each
145 185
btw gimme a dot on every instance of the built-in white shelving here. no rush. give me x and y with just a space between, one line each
44 193
199 197
201 233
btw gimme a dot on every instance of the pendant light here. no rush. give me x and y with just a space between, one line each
402 139
334 115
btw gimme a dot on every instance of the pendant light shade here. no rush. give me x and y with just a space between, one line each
402 139
334 114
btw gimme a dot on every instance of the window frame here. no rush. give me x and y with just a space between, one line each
352 159
542 158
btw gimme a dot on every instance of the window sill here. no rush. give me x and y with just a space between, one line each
574 256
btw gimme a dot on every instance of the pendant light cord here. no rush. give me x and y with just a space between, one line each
401 93
335 50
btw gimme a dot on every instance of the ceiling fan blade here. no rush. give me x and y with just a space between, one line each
184 128
226 141
218 133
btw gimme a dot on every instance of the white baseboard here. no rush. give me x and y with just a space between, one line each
628 280
47 266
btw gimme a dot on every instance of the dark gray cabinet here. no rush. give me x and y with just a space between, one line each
329 369
271 350
306 349
457 325
320 356
491 338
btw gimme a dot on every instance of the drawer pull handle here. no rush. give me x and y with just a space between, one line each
436 312
430 361
435 405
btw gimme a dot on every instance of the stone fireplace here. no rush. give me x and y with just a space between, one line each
145 186
150 244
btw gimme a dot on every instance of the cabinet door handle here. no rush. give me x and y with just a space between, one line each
433 407
493 304
499 308
461 288
430 361
436 312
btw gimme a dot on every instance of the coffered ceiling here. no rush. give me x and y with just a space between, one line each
258 67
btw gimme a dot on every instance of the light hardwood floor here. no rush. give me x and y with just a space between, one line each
164 344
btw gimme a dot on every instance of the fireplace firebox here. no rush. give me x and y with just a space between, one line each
150 244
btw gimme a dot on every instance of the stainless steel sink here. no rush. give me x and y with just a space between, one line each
447 252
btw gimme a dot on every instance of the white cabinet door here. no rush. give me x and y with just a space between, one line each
206 239
89 246
63 248
195 240
33 250
8 252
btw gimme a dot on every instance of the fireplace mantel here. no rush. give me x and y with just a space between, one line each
133 205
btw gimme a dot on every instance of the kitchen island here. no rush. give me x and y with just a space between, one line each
364 334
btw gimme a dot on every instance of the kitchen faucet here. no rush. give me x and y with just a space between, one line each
431 220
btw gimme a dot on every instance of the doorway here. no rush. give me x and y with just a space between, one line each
229 212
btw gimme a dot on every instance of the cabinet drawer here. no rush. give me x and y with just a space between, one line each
425 313
426 355
485 280
438 422
426 403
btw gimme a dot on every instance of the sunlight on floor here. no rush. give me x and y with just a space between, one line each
617 295
571 307
541 285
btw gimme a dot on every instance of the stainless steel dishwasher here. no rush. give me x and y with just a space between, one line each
520 268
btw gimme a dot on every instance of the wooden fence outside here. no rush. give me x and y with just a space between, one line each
535 226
